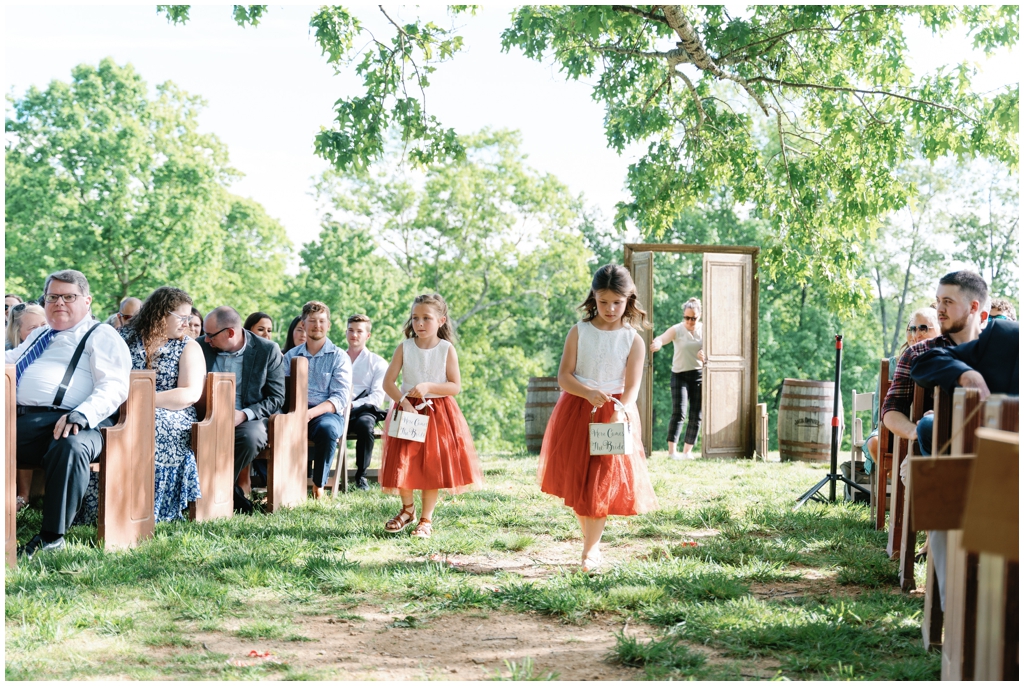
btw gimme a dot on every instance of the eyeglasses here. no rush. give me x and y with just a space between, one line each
19 307
182 318
689 319
918 329
66 297
125 317
211 336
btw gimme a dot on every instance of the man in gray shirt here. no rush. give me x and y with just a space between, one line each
259 383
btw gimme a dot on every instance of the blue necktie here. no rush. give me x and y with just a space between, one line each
33 354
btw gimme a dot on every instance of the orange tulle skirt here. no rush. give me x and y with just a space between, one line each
592 485
446 460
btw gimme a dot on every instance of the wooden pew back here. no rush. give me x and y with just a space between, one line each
991 530
213 442
968 583
11 467
127 468
287 439
883 466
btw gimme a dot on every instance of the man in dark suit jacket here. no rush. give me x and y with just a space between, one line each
259 383
990 363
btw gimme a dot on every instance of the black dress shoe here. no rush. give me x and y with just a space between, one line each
242 504
37 543
362 484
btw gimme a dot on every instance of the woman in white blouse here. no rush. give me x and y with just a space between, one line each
687 371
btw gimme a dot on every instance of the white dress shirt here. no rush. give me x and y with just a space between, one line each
100 383
368 375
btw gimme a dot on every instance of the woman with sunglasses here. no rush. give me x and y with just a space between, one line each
924 324
24 318
10 300
158 338
687 376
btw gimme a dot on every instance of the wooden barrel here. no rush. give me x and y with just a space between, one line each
805 420
541 395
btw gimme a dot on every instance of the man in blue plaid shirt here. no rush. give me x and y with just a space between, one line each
330 384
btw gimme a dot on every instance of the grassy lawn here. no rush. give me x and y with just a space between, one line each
725 581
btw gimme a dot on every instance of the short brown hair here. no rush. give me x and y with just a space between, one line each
361 319
313 307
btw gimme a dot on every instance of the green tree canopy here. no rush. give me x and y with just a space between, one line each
105 177
500 241
805 112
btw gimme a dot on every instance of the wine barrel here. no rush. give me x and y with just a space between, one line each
805 420
541 395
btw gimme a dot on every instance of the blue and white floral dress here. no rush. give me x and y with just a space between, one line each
177 479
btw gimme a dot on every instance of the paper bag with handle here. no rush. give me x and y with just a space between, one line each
611 439
410 426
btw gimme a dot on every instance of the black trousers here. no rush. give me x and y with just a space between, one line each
686 399
250 439
360 424
65 462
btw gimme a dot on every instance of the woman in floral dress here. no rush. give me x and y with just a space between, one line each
158 339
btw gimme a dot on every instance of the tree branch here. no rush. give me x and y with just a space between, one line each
640 13
864 91
690 41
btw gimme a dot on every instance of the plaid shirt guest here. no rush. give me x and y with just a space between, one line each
901 392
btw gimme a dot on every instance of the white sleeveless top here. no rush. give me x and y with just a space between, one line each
601 356
686 344
424 366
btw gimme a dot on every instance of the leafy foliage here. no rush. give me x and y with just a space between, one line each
103 176
805 112
498 240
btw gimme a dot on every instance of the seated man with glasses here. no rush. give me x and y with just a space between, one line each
72 376
259 384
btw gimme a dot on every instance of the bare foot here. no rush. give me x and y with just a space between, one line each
317 492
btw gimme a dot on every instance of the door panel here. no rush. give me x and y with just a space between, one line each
729 355
642 269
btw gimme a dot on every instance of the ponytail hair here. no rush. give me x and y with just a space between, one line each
447 330
615 278
692 304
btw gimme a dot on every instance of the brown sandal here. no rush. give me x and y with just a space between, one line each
423 529
402 519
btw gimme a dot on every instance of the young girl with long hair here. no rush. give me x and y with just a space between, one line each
602 363
430 380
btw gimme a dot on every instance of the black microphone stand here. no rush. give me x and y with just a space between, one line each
832 477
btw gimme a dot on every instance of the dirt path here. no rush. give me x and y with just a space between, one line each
465 646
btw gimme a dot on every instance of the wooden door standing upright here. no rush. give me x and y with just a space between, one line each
642 269
729 394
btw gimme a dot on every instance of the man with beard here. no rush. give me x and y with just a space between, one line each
330 384
962 305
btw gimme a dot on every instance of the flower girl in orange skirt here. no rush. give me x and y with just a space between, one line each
430 379
603 359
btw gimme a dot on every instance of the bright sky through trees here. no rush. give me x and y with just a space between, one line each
269 90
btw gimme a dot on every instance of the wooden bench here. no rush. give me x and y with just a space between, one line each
883 465
939 487
127 467
991 530
937 490
286 442
11 469
213 442
899 531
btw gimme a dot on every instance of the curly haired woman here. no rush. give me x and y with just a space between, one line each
158 339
